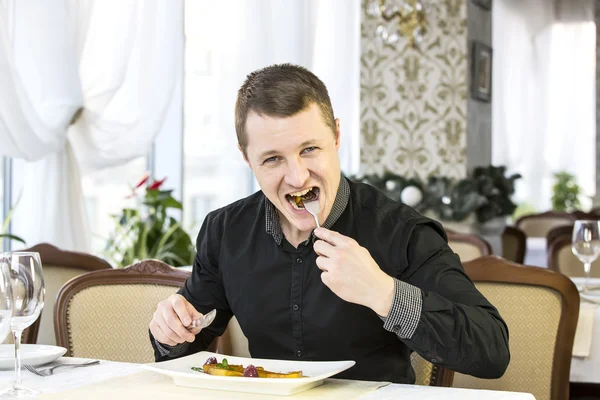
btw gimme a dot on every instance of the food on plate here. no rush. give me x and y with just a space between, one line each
223 368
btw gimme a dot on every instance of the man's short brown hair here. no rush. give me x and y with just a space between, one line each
280 90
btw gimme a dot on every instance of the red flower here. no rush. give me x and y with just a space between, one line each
157 184
143 180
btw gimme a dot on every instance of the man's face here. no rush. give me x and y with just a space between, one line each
295 158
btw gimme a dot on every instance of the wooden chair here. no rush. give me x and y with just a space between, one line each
559 231
538 225
58 266
234 343
105 314
467 246
514 243
541 308
562 259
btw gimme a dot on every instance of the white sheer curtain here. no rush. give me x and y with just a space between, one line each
322 35
112 59
544 94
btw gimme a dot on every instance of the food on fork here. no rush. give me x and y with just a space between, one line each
212 367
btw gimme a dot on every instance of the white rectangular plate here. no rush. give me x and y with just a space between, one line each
315 372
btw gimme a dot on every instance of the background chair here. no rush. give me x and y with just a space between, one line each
58 266
538 225
105 314
233 342
514 243
562 259
559 231
541 308
467 246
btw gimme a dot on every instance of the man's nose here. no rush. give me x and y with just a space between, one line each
297 174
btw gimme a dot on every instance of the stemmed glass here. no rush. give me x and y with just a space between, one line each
24 272
6 301
586 246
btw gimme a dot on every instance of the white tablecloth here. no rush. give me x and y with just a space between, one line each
78 377
535 253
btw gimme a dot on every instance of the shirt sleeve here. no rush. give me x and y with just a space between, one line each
439 313
204 290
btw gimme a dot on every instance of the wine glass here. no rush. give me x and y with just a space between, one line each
586 246
24 272
6 301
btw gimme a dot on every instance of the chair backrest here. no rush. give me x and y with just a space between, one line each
59 266
541 309
233 342
428 374
514 243
562 259
105 314
559 231
467 246
538 225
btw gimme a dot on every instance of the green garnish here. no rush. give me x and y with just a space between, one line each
198 369
224 364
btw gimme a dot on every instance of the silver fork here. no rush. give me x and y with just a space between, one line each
50 371
313 208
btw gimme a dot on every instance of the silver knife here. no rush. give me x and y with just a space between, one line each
203 321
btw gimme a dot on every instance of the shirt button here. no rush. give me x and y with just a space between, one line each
299 353
295 307
299 260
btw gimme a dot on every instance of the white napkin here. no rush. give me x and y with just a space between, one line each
583 333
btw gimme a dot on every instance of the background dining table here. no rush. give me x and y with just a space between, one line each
117 380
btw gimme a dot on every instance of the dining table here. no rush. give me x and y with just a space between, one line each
118 380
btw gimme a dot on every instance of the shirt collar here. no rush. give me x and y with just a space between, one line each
339 205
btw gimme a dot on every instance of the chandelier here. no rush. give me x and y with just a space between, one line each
406 19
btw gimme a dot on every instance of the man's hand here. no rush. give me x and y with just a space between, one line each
351 273
171 319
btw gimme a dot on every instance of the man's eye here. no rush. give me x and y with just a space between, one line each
271 159
309 149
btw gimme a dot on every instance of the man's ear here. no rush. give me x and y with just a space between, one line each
338 133
244 155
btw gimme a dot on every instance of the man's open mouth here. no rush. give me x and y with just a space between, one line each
297 199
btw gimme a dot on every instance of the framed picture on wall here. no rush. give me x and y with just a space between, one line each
481 71
485 4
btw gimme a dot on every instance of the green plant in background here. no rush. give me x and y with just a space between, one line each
497 188
148 232
487 193
6 224
566 193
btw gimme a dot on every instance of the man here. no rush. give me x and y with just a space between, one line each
374 283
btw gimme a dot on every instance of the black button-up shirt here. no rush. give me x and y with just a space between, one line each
245 267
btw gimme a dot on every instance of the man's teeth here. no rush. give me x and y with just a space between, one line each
293 203
302 193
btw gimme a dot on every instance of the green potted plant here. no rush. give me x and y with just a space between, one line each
5 225
497 188
566 193
148 231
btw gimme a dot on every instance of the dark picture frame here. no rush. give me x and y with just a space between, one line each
485 4
481 71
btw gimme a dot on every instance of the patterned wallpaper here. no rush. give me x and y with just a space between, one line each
414 103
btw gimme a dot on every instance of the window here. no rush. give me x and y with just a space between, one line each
106 193
214 174
2 216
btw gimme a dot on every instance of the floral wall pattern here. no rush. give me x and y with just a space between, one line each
414 102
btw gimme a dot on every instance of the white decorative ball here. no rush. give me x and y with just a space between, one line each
411 196
391 185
